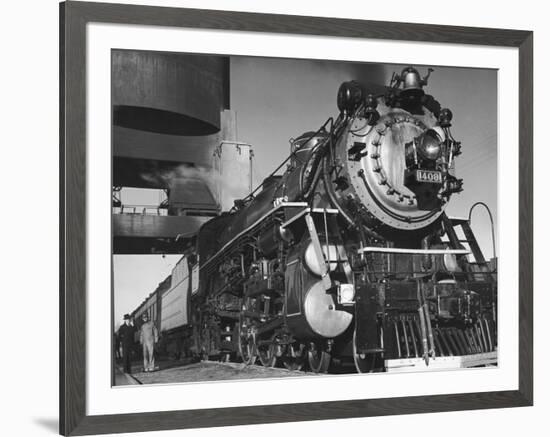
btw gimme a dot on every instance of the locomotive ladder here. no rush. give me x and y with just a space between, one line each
450 225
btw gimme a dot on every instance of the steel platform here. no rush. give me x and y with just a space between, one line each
441 363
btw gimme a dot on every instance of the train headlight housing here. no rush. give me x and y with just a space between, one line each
429 145
346 294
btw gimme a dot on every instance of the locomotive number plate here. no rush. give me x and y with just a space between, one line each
433 177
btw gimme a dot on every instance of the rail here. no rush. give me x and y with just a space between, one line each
414 251
490 218
140 210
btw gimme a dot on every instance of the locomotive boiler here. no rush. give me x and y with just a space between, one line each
348 259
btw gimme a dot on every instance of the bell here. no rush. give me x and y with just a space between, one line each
411 79
412 83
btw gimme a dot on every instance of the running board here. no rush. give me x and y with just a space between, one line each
414 251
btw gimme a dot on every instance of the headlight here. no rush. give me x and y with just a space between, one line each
429 145
346 294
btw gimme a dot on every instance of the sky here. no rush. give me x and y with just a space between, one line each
137 276
278 99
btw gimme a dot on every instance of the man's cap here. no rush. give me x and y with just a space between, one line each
126 316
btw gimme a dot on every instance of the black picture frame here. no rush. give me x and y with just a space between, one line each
73 19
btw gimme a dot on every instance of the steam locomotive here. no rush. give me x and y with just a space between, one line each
348 257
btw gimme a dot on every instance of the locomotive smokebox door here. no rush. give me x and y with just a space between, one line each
425 184
367 307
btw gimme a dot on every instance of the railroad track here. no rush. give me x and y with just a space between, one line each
214 371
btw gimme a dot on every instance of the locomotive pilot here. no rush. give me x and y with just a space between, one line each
148 336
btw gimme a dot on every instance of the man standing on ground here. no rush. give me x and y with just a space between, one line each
148 336
126 338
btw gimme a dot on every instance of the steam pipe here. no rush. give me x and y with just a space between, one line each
426 258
